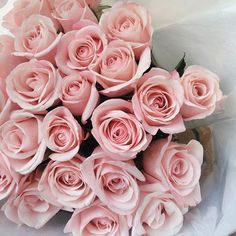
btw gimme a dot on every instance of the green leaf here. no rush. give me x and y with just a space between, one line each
181 66
100 10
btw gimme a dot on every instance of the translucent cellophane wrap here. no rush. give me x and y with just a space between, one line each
205 31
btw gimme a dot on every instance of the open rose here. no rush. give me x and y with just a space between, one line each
69 12
79 49
157 214
9 179
27 206
62 133
21 140
37 38
79 94
33 85
178 166
8 61
128 21
118 131
6 106
97 219
117 70
114 182
157 101
62 184
23 9
202 93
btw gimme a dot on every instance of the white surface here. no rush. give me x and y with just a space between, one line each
206 31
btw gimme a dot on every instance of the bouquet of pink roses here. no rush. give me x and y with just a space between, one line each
88 120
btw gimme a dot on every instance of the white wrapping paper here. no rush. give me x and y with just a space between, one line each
206 31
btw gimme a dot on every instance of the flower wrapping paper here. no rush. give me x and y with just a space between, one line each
205 31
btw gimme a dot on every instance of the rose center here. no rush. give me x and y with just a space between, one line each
199 89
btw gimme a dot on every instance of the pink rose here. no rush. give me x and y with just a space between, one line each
69 12
157 214
21 140
27 206
8 61
118 131
202 93
62 133
62 184
117 70
79 94
93 3
114 182
23 9
6 106
128 21
34 85
157 101
97 219
79 49
37 38
178 166
9 179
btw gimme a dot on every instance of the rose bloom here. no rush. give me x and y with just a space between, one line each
33 85
79 94
118 131
37 38
202 93
117 70
63 185
69 12
79 49
8 61
157 101
178 167
157 214
97 219
23 9
128 21
6 106
62 133
114 182
27 206
9 179
22 142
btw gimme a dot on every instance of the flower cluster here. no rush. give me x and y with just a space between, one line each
80 103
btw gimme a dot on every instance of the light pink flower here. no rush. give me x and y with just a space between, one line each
114 182
68 12
23 9
118 131
62 133
37 38
8 61
202 93
178 166
79 49
27 206
128 21
157 214
97 219
117 70
9 179
63 185
79 94
6 106
34 85
157 101
21 141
